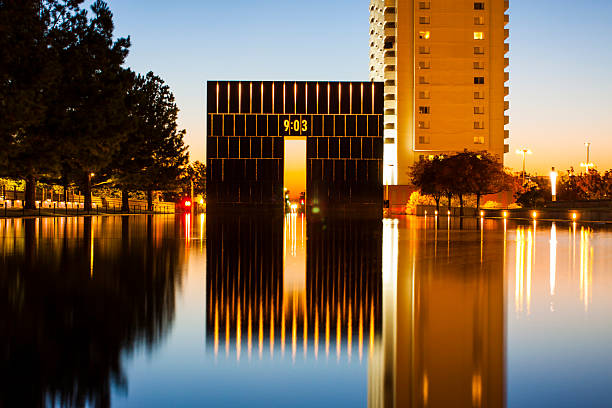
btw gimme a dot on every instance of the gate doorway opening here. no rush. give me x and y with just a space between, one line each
295 170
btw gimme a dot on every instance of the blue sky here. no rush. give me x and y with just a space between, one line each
560 59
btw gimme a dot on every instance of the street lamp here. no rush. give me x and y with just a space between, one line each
553 183
588 165
524 152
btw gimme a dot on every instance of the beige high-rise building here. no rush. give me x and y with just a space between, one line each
444 65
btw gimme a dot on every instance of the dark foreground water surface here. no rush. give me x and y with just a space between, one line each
165 311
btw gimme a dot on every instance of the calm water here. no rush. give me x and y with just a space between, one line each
161 311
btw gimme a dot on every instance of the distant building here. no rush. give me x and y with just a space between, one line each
443 65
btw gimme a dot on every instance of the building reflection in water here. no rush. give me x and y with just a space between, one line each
377 292
443 315
76 294
280 288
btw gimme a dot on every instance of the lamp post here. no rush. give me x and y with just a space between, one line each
524 152
553 183
588 165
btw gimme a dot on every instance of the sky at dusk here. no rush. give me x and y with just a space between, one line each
560 59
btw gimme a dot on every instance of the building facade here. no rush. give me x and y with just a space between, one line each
249 121
443 64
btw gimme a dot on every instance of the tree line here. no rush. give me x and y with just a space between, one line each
461 175
72 114
589 186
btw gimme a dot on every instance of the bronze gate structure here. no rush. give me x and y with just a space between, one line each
248 122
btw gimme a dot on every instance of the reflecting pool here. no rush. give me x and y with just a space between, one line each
276 311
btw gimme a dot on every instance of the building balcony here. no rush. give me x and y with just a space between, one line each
390 32
390 133
506 134
506 76
389 3
389 60
506 48
506 62
506 105
390 119
506 33
506 119
506 148
506 5
389 75
390 90
506 19
506 91
391 104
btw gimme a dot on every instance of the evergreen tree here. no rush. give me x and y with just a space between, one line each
153 156
31 32
91 116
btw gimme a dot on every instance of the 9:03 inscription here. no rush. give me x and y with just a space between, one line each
294 125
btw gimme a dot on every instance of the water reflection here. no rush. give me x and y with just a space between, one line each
303 311
576 273
76 296
285 288
443 330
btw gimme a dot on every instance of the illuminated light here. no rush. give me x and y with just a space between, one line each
505 213
238 330
302 202
436 213
534 214
201 201
426 213
482 213
187 203
478 35
424 35
316 210
574 216
92 174
448 212
553 183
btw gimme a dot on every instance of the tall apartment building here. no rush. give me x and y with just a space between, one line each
444 64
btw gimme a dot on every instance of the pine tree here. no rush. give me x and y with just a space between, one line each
91 114
153 156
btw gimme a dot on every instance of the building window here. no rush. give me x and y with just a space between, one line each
479 95
478 110
478 65
479 139
424 64
423 80
479 125
479 80
479 20
424 35
478 35
424 5
424 50
424 110
424 95
424 20
479 5
423 139
479 50
423 124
